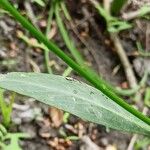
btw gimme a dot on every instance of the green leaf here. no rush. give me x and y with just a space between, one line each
14 141
82 70
117 6
75 97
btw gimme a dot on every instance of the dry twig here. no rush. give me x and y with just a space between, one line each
121 53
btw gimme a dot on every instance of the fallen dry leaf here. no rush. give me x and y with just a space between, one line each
111 147
56 116
88 144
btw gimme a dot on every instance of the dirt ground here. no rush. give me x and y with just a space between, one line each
45 124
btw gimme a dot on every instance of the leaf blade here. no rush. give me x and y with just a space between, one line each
75 97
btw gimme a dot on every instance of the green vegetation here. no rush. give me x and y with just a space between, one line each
99 104
82 70
117 5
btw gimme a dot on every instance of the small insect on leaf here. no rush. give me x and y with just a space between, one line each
69 78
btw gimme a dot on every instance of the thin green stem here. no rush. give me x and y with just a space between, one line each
50 17
129 92
66 114
69 43
113 24
67 72
147 97
141 50
82 70
49 23
65 10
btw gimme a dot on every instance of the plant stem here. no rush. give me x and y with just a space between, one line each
49 22
141 50
129 92
65 10
82 70
69 43
124 60
137 13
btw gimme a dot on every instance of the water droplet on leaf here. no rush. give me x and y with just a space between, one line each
23 75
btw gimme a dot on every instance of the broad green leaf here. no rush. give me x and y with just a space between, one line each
74 97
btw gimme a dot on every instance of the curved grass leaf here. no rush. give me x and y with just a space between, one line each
75 97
